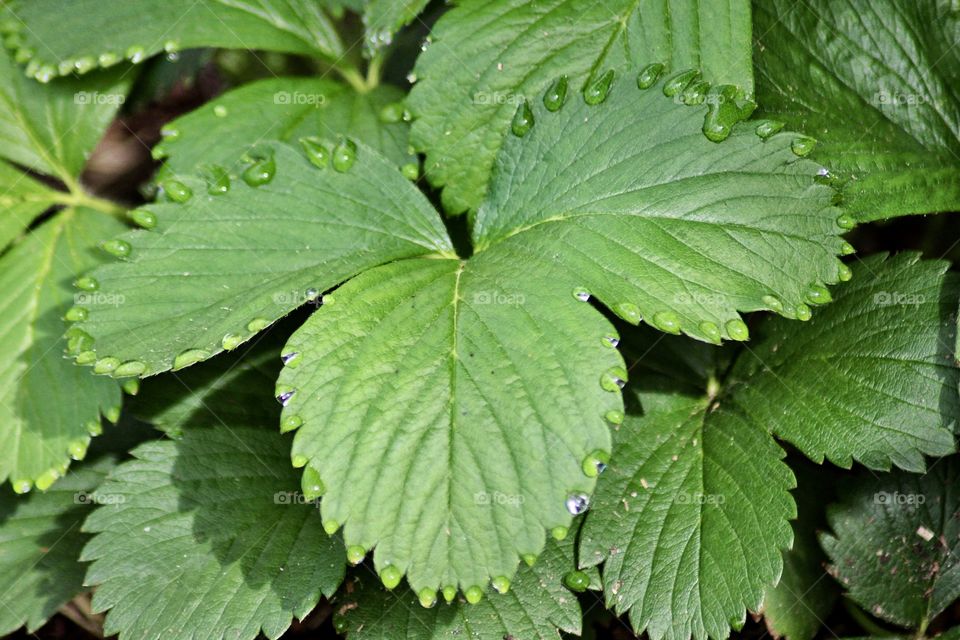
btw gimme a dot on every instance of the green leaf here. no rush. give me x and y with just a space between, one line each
61 38
872 378
535 607
287 109
22 200
219 268
52 129
487 56
40 541
450 408
690 516
48 406
383 18
895 543
797 607
211 518
639 209
875 83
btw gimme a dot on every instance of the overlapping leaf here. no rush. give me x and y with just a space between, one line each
876 84
895 542
141 28
383 18
221 267
487 56
212 518
221 131
535 607
40 541
21 200
48 405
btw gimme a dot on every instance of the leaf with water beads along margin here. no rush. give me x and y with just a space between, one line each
383 18
286 109
49 408
875 83
142 28
467 414
223 260
539 602
487 56
643 212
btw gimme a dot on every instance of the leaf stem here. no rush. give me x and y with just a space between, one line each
353 78
865 622
77 197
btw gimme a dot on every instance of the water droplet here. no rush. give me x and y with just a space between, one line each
131 386
311 484
737 330
614 416
501 584
261 172
284 393
529 559
597 91
23 55
803 312
65 67
559 533
412 77
170 133
299 461
130 368
710 331
391 576
257 325
649 75
86 283
218 180
522 120
411 171
171 46
773 303
118 248
802 146
76 314
722 113
78 340
667 321
290 423
844 272
594 464
86 357
556 94
818 294
143 218
329 526
356 554
45 74
845 221
629 312
344 155
21 486
611 341
94 428
392 113
581 294
577 581
106 365
473 594
767 128
231 341
46 479
189 357
427 597
316 152
678 81
291 359
136 54
695 93
220 111
78 448
577 503
847 249
613 379
177 191
449 593
340 624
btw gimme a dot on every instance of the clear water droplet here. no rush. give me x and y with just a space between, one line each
316 152
344 155
597 91
522 120
678 81
577 503
649 75
556 94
